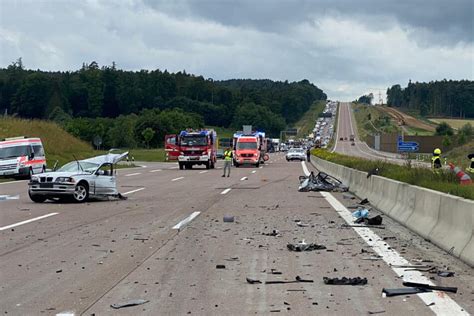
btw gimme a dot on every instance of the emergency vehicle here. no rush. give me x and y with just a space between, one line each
171 147
250 149
197 148
21 156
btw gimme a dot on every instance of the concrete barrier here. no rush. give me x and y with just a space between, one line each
446 220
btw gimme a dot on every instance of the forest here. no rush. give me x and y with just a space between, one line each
446 98
104 101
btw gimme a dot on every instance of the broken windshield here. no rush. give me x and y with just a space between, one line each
193 141
73 166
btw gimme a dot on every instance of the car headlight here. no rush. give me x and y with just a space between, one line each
34 179
65 179
204 152
181 153
22 164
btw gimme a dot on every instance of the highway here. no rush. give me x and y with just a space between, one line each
168 244
346 126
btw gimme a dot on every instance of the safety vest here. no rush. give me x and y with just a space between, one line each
435 162
471 167
228 155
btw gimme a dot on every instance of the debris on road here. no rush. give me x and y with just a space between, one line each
253 281
363 226
403 291
364 201
129 303
220 266
9 197
376 312
361 213
274 233
301 224
228 219
303 246
345 281
321 182
445 274
348 196
431 287
297 280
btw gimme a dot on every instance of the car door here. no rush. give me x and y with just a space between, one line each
105 180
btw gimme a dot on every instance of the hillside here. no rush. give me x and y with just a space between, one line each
306 124
59 145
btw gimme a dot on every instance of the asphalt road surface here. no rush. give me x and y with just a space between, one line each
82 258
346 126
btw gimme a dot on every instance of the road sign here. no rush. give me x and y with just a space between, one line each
407 146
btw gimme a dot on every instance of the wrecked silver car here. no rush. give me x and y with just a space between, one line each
78 180
321 182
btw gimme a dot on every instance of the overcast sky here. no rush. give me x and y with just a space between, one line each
345 47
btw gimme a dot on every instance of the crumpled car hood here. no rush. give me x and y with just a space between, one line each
108 158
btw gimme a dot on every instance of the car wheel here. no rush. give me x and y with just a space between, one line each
81 193
257 164
208 165
36 198
181 166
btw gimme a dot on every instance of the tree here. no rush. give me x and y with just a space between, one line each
148 134
444 129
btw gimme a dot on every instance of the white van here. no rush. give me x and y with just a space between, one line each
21 156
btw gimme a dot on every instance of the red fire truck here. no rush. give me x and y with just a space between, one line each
197 148
171 147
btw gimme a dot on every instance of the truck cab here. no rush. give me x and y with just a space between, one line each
197 148
21 156
171 147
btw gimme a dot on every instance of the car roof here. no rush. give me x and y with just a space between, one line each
108 158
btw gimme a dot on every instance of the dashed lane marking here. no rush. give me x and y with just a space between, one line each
133 174
226 191
203 171
27 221
186 221
133 191
156 170
254 171
243 178
176 179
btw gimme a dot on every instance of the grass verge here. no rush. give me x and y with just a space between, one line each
372 120
157 155
443 181
306 124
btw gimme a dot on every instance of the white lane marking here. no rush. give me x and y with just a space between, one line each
243 178
226 191
65 314
144 166
156 170
203 171
443 305
15 181
254 171
132 174
133 191
27 221
260 167
176 179
173 168
186 221
305 169
9 197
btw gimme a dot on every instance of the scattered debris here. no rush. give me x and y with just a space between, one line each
297 280
361 213
303 246
232 259
220 266
300 224
348 196
274 271
431 287
376 312
403 291
364 201
274 233
321 182
228 219
59 271
253 281
445 274
363 226
129 303
345 281
391 237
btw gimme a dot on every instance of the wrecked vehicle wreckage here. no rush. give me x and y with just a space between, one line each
321 182
78 180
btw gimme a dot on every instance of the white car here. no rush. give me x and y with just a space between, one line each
77 180
296 154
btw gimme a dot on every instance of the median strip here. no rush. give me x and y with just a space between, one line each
27 221
186 221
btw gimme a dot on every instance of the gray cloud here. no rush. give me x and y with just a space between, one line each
345 49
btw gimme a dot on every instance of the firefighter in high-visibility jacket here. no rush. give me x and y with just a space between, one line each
471 167
227 161
436 159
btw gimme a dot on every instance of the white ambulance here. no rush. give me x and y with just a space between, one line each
21 156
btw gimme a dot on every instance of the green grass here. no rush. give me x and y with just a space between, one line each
306 124
158 155
417 131
443 181
58 144
454 123
377 123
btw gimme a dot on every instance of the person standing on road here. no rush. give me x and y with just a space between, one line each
227 161
436 160
471 167
308 154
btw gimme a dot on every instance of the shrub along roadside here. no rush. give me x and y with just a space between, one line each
443 181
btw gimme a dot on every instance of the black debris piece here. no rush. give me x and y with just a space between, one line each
362 226
376 312
445 274
298 279
364 201
376 220
304 247
345 281
321 182
391 237
372 172
431 287
253 281
403 291
121 197
59 271
273 233
220 266
129 303
228 219
273 271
